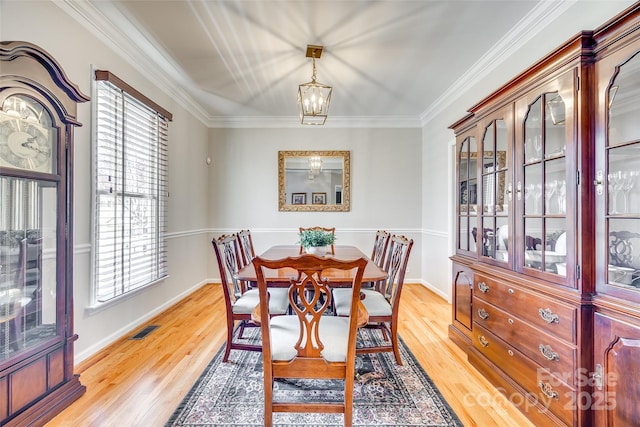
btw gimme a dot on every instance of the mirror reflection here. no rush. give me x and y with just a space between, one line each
314 180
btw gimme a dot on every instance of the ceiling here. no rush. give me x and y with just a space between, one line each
239 62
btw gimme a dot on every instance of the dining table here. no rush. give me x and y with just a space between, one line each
336 278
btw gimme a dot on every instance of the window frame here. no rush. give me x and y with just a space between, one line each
152 193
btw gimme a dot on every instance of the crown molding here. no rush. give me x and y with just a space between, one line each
528 27
335 122
135 49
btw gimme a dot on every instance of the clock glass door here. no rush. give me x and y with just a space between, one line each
29 222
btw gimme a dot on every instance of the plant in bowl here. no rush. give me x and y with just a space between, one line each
316 241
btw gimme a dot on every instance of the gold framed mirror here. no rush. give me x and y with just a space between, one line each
314 181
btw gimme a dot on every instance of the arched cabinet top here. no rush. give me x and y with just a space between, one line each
48 78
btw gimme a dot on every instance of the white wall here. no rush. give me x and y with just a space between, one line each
385 191
76 49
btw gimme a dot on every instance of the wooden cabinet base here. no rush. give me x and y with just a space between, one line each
46 408
462 339
516 395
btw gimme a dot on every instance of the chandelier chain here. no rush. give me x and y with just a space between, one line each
313 76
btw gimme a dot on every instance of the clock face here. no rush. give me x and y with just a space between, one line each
24 144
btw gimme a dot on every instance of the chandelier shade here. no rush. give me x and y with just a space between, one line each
313 97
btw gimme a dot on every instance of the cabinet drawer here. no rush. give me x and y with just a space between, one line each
550 316
540 385
551 353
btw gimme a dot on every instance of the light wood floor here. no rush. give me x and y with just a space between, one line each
140 383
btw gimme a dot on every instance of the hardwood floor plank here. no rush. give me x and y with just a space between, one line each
141 382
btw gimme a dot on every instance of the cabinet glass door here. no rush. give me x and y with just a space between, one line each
467 195
496 190
544 185
620 182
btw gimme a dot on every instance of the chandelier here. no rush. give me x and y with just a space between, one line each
313 97
315 165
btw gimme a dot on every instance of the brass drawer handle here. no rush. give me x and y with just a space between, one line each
548 352
483 314
510 352
548 391
483 341
510 321
597 376
511 291
548 315
483 287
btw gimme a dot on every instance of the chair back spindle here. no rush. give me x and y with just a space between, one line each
396 267
226 249
380 245
247 252
309 298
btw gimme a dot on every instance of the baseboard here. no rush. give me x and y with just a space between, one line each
432 288
106 341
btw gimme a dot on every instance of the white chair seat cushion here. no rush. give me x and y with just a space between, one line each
334 334
278 301
373 301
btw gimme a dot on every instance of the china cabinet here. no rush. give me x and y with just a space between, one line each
617 223
37 118
550 241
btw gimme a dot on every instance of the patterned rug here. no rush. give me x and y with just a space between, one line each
230 394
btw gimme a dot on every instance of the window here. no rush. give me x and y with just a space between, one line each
130 184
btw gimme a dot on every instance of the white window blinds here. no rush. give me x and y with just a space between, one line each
130 190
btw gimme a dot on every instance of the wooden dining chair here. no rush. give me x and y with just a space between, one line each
331 230
240 302
246 247
308 344
383 300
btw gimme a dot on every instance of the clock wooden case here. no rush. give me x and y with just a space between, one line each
546 274
38 107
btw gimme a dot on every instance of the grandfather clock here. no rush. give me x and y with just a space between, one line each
38 107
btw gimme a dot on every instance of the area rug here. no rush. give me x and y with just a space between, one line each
231 394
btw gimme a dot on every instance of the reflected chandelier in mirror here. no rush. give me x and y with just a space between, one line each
314 181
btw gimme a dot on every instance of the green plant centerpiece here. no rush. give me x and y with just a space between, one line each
316 241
